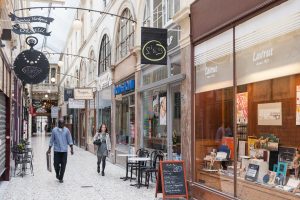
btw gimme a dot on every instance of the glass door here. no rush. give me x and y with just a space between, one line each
176 121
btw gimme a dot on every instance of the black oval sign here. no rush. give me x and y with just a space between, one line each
31 66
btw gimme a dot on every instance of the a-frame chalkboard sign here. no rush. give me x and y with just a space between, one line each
171 180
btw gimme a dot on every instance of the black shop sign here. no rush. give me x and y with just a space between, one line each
154 46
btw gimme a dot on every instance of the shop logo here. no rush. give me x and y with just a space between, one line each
154 46
154 51
262 57
211 72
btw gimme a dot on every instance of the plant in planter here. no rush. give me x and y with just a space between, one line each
21 147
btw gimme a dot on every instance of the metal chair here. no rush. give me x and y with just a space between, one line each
143 153
159 156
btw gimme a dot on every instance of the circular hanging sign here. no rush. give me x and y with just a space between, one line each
31 66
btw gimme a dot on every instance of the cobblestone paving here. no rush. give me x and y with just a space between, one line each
81 181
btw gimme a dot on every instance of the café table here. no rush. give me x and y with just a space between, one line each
125 178
139 160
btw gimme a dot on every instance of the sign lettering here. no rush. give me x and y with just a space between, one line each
154 46
36 30
30 19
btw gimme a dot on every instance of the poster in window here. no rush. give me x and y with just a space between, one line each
163 110
269 114
298 115
155 105
242 108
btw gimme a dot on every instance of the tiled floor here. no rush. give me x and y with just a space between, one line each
81 180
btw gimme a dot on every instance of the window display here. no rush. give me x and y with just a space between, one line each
155 119
258 115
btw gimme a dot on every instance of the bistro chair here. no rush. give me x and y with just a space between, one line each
159 156
152 158
143 153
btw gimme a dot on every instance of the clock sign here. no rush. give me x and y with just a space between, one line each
154 46
31 66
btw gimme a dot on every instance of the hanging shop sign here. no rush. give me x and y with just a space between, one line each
31 66
30 19
54 112
68 93
35 30
154 46
76 104
83 93
126 87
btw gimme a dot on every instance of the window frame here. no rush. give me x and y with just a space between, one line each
104 55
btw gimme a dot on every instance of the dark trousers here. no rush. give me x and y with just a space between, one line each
60 162
103 159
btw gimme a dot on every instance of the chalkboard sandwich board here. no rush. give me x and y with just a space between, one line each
171 179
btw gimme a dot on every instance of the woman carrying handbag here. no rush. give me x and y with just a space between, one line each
102 140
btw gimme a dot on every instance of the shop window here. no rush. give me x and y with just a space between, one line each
105 55
125 120
268 112
126 35
155 119
261 111
214 100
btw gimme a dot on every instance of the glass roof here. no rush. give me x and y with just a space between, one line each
59 28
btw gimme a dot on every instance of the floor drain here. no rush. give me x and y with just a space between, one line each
86 186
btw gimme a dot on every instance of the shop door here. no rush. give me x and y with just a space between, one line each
175 122
82 129
2 133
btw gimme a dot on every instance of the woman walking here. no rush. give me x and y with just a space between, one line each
102 140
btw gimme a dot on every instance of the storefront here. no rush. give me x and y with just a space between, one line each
125 115
5 137
246 102
161 102
104 99
104 109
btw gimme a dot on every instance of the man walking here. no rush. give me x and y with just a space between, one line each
60 138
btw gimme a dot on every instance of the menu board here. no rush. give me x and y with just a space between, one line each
171 180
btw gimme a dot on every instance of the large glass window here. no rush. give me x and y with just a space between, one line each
259 115
155 119
214 111
125 119
126 34
268 80
105 55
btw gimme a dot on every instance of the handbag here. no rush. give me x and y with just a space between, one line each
97 142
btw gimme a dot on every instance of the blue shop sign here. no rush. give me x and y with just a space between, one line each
125 87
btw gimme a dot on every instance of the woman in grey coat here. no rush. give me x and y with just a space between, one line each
102 140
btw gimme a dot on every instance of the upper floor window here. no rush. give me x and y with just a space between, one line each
126 34
163 11
147 17
157 13
104 56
